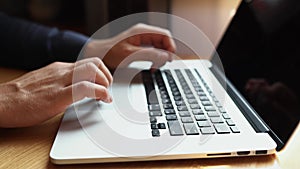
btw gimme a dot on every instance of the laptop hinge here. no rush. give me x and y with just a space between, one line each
254 119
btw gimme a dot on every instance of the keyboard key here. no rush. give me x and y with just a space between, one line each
195 106
203 98
192 101
207 130
198 89
174 89
230 122
164 92
209 108
161 125
222 128
203 123
155 113
216 120
184 113
162 88
166 101
168 106
200 117
177 93
182 108
225 116
169 111
178 98
171 117
215 99
154 126
180 103
175 128
187 120
153 120
222 110
153 107
155 133
164 96
190 96
197 111
172 85
218 104
234 129
201 93
190 129
188 91
213 114
206 103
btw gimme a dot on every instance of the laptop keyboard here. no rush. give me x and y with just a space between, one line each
187 106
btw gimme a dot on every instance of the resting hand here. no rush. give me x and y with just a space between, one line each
157 45
39 95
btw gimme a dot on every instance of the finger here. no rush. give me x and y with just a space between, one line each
157 40
83 89
98 63
169 44
156 36
90 72
156 56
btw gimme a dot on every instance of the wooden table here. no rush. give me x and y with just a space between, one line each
30 147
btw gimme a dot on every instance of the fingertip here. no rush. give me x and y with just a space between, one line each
110 99
170 57
153 69
105 96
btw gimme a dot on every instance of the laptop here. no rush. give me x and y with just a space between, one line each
246 106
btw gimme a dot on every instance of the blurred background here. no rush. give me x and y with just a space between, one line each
87 16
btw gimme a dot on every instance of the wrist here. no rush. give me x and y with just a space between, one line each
7 90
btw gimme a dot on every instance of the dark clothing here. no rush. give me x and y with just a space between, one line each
28 45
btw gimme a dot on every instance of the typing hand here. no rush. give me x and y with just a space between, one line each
41 94
156 45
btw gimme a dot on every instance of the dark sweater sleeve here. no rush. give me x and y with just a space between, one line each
28 45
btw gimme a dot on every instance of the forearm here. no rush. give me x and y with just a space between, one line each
28 45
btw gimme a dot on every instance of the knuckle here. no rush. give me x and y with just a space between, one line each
127 50
83 86
137 28
90 66
103 91
165 32
96 60
140 25
56 64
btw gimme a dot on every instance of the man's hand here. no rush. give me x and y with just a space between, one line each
156 44
39 95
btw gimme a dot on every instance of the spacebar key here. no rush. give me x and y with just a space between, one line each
175 128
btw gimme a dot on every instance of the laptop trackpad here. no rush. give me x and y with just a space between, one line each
128 111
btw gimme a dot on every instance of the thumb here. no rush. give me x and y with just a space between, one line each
158 58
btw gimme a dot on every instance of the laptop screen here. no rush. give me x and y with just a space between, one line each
260 53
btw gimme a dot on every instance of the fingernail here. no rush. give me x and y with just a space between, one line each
109 99
170 57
